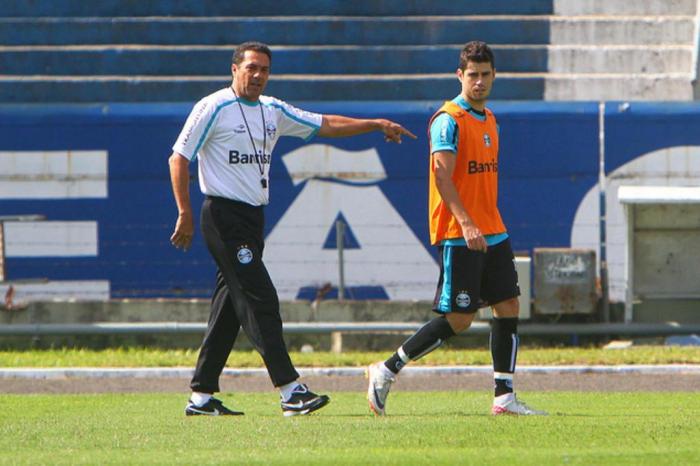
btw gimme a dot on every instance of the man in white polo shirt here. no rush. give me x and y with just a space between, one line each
233 132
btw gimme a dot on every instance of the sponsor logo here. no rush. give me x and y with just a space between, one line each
244 255
487 140
477 167
377 399
300 389
271 130
463 300
215 412
240 129
443 132
193 123
235 157
297 405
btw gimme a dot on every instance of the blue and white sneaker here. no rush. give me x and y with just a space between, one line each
303 401
213 407
380 380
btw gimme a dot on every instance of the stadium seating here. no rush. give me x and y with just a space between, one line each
174 51
619 50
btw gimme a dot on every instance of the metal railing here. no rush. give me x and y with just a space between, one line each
479 328
337 329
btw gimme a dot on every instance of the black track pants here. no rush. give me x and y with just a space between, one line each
244 295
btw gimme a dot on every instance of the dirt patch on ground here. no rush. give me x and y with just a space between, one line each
409 382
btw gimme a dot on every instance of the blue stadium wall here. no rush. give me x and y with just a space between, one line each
548 162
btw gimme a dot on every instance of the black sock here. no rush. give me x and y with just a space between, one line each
502 386
394 363
504 351
428 338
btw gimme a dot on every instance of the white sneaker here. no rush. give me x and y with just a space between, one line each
509 404
380 380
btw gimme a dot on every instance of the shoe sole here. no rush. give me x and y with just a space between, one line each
499 411
324 400
374 409
190 413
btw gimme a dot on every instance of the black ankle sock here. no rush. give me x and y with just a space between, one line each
503 386
428 338
394 363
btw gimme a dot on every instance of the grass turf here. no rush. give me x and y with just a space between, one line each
150 357
422 428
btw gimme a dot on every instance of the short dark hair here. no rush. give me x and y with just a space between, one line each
477 52
240 51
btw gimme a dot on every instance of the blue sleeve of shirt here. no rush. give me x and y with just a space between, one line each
443 134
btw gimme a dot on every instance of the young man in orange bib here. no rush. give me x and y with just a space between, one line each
476 259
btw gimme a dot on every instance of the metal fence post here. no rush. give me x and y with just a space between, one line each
605 292
2 251
336 342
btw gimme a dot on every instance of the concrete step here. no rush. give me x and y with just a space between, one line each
433 87
620 59
307 30
659 87
120 8
215 60
628 30
624 8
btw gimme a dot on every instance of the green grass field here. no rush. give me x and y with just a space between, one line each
422 428
153 357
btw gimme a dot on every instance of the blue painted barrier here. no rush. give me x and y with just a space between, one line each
549 161
636 128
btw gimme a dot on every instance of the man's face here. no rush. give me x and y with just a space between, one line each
251 75
477 80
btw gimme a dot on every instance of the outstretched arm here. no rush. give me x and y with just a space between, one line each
180 179
337 126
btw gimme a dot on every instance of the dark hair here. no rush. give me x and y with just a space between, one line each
476 51
251 45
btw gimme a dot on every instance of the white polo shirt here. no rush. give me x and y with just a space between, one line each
217 133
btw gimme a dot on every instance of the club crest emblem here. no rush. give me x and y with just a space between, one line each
271 130
463 300
487 140
244 255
